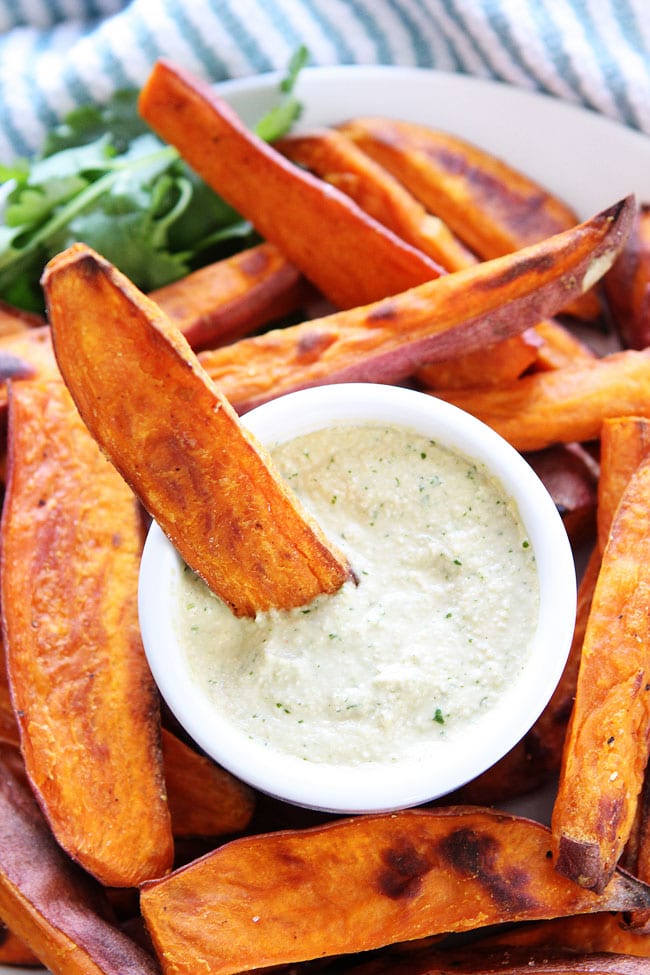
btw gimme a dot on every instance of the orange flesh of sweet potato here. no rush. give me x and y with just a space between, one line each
339 161
230 298
558 346
204 800
358 883
179 444
562 405
86 703
46 900
493 208
624 443
388 340
493 366
350 257
607 743
627 285
580 933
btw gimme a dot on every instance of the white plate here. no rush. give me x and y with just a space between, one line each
584 158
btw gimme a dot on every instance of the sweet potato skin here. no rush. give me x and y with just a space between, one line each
319 224
606 749
46 900
358 883
179 444
627 285
84 697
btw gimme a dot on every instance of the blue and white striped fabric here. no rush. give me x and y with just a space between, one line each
55 54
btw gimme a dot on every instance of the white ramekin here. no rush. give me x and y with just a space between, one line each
368 788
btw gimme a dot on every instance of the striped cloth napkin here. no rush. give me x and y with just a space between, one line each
56 54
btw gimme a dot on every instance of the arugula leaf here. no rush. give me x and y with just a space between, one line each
103 177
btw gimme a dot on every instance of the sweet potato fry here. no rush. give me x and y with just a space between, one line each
493 366
338 160
14 951
624 443
359 883
493 208
179 444
85 700
563 405
559 347
47 901
223 301
477 959
388 340
606 749
13 321
204 800
587 933
350 257
627 285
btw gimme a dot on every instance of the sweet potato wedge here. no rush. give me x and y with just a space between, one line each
477 959
627 285
388 340
624 443
606 748
204 800
358 883
221 302
85 700
179 444
492 207
340 162
587 933
562 405
351 258
559 347
493 366
51 905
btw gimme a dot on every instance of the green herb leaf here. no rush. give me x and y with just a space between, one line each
105 179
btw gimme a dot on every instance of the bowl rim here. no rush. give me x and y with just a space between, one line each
368 788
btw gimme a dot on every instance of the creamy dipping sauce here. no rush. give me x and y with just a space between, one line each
439 625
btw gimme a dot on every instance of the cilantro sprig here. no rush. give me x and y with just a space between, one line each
104 178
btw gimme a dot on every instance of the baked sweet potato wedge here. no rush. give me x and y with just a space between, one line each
624 443
589 933
340 162
460 312
223 301
351 258
562 405
606 748
627 285
493 366
358 883
492 207
204 799
50 904
84 698
179 444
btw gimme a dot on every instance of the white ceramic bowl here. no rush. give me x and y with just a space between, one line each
368 788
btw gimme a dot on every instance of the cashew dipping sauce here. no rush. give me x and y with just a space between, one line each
401 663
